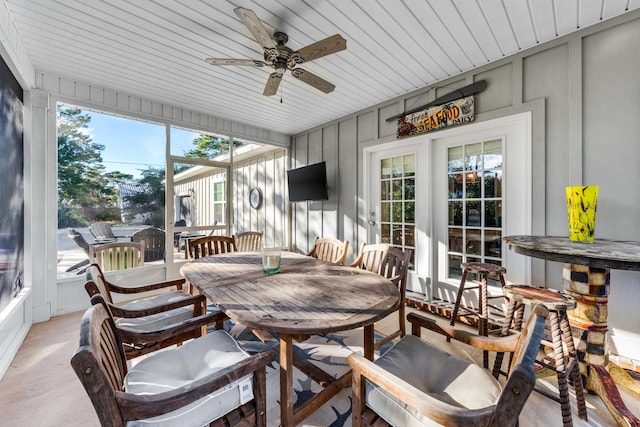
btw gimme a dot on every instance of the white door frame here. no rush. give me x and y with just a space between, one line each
418 279
515 131
431 243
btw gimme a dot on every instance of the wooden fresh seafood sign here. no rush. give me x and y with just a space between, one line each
457 112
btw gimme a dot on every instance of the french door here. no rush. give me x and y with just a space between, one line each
396 211
451 196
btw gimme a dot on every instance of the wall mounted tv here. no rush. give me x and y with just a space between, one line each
308 183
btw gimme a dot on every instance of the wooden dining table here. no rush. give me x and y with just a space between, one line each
586 276
307 297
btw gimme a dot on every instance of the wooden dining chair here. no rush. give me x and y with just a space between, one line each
207 379
248 241
209 245
330 249
154 243
392 263
138 318
117 255
416 383
82 243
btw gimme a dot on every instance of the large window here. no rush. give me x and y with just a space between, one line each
474 201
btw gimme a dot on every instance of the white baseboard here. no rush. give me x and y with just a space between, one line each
15 323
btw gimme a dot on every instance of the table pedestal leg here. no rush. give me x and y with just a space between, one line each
286 380
590 288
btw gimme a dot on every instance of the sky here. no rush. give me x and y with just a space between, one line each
133 145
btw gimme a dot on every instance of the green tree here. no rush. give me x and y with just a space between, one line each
81 180
149 197
210 146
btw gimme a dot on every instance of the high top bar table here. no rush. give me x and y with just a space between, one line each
585 274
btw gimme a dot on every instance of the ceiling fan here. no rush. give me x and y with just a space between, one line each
281 57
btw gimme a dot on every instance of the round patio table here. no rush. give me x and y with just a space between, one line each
307 297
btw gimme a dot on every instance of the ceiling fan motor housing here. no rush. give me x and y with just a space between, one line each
282 57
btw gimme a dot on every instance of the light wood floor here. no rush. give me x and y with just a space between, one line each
41 389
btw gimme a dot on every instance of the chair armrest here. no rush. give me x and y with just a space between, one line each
499 344
196 300
356 263
178 283
427 405
171 331
136 406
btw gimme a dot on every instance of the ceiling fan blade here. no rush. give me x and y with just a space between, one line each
322 48
227 61
313 80
255 26
272 85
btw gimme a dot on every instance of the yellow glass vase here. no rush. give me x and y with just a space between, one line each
582 202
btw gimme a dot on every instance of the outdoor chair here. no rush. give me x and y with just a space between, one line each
209 245
83 244
117 255
330 249
154 240
176 234
144 315
248 241
392 263
103 233
417 384
207 379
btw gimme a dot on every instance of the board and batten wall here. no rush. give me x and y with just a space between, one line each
266 172
589 134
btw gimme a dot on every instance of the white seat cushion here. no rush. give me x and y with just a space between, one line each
169 369
160 320
445 377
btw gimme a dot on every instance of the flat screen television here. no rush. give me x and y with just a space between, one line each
308 183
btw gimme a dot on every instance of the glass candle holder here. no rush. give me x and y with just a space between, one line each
271 259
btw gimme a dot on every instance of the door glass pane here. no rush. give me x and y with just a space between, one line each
493 184
410 212
410 165
473 185
385 211
473 214
455 159
455 185
493 154
473 157
409 189
474 192
455 213
397 196
385 168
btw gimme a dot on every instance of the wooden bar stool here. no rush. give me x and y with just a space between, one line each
483 272
561 339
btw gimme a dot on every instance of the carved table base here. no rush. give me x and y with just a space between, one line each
590 287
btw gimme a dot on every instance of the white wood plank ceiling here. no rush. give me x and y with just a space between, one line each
155 49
